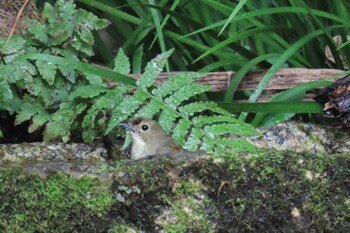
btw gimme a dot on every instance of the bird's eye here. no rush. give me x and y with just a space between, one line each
144 127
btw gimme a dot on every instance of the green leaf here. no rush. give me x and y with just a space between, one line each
15 45
283 58
234 145
13 73
181 130
113 11
166 119
90 21
47 70
240 129
66 9
137 60
86 36
190 109
89 135
174 83
238 36
233 14
126 107
150 109
240 74
5 90
153 69
158 30
81 66
82 46
38 31
61 121
192 143
208 120
49 13
86 92
27 111
294 94
101 104
184 93
96 80
39 120
121 63
273 107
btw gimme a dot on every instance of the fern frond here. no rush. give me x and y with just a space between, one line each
239 129
193 141
170 102
167 118
96 80
150 109
240 144
184 93
61 122
153 69
88 91
208 120
190 109
175 83
121 63
48 71
181 130
127 106
32 112
109 100
131 103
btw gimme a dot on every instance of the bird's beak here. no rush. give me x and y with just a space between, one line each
126 126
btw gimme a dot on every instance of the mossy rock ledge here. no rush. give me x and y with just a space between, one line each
273 191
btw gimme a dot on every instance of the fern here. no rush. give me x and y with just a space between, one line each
214 133
44 93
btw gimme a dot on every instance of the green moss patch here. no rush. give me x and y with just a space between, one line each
31 204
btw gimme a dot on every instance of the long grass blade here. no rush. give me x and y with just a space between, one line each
234 13
237 78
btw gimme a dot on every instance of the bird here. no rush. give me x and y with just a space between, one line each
149 138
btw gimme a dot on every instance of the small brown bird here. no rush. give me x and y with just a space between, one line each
149 138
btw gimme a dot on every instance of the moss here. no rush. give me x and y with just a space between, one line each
187 208
270 192
30 203
123 228
268 187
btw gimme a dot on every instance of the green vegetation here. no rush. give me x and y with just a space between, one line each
211 35
41 91
54 96
33 204
47 83
233 36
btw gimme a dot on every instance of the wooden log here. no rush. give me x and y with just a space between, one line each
282 80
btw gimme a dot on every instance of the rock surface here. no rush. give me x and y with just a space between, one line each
274 191
305 137
40 151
